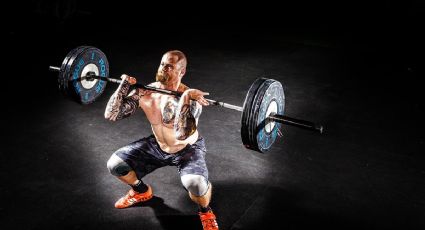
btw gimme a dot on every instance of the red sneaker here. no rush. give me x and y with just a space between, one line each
132 197
208 220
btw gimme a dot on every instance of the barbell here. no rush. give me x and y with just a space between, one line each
84 74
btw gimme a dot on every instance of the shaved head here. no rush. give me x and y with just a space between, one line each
172 67
182 61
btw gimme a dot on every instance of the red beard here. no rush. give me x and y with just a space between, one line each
162 77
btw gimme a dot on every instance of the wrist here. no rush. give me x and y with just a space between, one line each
187 93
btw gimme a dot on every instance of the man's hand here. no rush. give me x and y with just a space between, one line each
198 96
133 81
129 79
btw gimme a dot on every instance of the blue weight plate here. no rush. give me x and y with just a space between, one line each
87 59
68 61
272 101
62 72
264 97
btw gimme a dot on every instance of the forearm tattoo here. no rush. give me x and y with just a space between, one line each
120 105
185 122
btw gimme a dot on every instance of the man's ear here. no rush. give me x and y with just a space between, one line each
182 72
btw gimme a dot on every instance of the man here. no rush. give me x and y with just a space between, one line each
175 140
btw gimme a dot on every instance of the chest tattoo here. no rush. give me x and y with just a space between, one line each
169 111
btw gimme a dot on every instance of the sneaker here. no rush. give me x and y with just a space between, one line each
132 197
208 220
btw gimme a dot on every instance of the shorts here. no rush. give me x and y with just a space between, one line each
145 155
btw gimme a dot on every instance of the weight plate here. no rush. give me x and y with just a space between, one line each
246 113
61 75
68 61
84 60
264 97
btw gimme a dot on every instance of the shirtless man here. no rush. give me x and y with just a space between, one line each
175 140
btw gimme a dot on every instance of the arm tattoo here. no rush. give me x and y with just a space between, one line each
120 105
185 123
186 119
195 109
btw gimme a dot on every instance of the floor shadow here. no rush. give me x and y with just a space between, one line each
171 218
168 218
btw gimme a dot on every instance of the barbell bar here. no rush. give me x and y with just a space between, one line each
91 75
272 117
85 70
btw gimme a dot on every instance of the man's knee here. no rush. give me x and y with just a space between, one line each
195 184
117 166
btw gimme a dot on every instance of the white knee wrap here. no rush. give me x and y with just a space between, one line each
117 166
195 184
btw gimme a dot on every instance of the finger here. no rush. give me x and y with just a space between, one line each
203 101
205 93
203 98
200 100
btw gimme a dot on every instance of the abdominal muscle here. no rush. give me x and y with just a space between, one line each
165 136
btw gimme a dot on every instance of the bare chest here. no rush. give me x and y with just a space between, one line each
160 109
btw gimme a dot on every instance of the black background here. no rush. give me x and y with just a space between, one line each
389 31
368 94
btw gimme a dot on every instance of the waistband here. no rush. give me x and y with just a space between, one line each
188 146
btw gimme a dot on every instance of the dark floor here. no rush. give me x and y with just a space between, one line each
365 172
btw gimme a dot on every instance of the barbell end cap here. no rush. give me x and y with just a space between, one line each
54 68
321 129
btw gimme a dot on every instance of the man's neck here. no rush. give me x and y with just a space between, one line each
170 86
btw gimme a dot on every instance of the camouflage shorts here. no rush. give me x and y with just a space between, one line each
145 155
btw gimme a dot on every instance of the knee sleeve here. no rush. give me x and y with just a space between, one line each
117 166
195 184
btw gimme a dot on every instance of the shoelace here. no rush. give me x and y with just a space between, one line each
210 224
129 196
